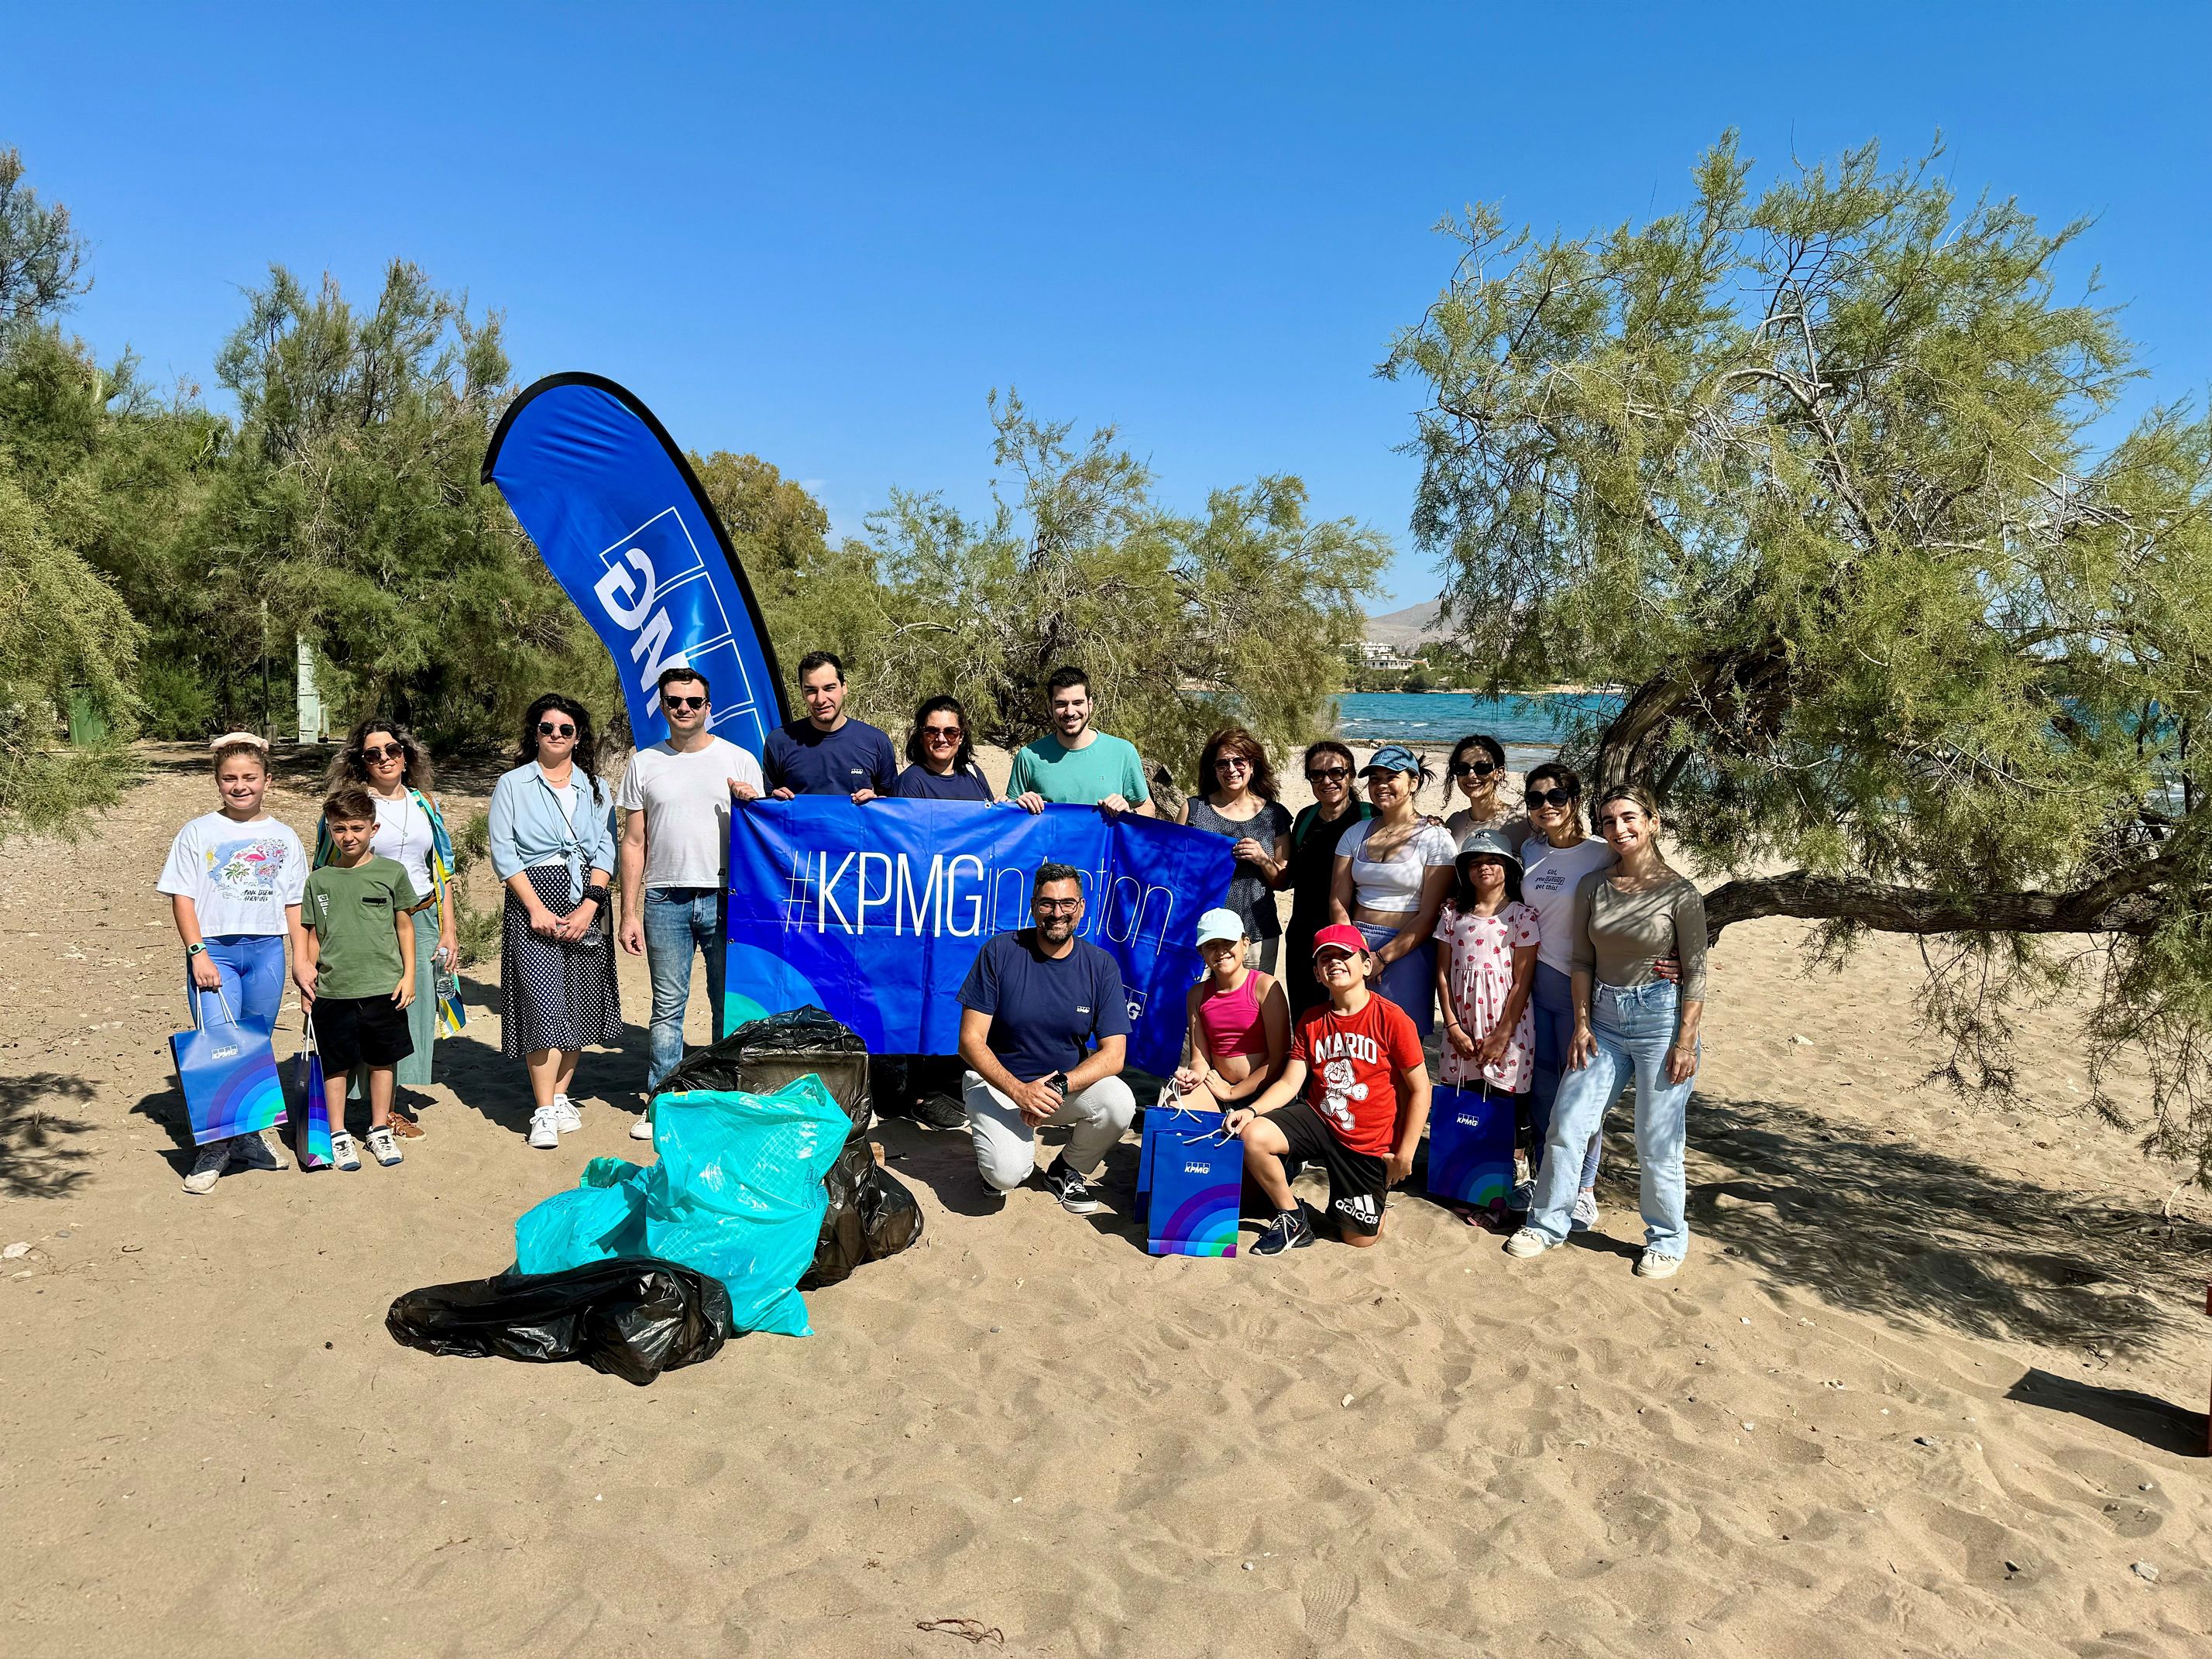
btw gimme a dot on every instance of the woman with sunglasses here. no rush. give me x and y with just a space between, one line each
553 844
1477 770
383 757
1310 870
941 760
1553 862
1237 800
1393 873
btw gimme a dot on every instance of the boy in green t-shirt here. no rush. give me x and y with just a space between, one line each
358 970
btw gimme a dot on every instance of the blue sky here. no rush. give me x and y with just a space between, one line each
824 235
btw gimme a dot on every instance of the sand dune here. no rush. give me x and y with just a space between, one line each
1931 1382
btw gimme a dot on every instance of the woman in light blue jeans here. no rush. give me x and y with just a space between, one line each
1628 1022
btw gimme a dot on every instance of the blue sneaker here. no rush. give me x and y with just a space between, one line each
1289 1230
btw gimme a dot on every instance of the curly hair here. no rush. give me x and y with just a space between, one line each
588 743
351 765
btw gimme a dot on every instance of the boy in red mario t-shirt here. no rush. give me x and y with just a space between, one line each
1359 1060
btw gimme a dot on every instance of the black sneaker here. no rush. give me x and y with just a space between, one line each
941 1112
1289 1230
1073 1191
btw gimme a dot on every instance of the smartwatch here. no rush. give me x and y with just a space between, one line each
195 950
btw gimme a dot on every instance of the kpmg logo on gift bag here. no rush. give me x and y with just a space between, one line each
1471 1145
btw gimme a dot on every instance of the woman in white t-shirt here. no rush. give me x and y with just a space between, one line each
234 878
1392 872
1553 862
384 757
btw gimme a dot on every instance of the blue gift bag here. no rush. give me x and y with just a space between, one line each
310 1129
1164 1118
1195 1179
1471 1145
228 1075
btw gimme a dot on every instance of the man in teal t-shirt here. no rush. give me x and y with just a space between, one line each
1075 766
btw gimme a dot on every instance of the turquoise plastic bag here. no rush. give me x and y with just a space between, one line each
736 1194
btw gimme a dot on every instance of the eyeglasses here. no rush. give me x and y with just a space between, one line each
1479 769
548 729
1328 775
667 702
941 733
1548 797
1059 907
382 752
1232 763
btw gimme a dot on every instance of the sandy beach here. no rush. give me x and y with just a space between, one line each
1932 1382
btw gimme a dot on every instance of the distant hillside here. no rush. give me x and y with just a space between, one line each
1416 625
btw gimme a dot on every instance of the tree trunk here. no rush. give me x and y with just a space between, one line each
2129 900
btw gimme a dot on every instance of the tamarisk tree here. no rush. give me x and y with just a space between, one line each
1914 637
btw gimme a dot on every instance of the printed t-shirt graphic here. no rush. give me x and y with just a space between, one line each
1353 1061
239 876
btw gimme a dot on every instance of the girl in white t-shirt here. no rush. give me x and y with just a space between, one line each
235 879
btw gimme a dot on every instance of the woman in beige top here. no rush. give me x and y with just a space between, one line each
1629 1021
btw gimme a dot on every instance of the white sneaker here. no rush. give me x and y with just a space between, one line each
1583 1216
1652 1264
1526 1242
642 1129
257 1151
208 1167
343 1154
544 1128
566 1116
382 1148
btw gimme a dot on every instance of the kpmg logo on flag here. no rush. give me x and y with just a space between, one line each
657 591
962 897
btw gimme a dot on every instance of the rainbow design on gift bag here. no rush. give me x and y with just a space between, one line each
241 1098
1205 1223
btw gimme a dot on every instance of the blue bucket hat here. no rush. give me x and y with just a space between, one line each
1393 758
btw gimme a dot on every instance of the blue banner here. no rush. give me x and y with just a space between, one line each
875 912
622 524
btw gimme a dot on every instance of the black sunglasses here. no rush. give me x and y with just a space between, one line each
547 729
1328 775
682 703
1480 769
1548 797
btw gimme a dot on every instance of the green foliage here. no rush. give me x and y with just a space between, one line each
41 258
1817 473
1181 620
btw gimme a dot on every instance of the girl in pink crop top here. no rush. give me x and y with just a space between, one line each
1238 1025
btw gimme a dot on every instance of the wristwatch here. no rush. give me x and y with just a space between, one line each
195 950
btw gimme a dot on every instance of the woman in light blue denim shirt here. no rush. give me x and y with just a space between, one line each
553 844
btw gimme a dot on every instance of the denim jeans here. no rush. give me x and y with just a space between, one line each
1552 997
679 921
1634 1028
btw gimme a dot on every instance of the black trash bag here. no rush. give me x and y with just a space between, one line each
763 1054
632 1317
872 1215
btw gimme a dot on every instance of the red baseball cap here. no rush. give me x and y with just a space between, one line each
1339 936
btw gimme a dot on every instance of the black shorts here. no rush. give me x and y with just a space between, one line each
1358 1181
352 1031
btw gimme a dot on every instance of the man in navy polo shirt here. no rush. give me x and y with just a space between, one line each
1044 1027
829 752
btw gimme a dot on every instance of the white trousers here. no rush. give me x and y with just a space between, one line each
1005 1147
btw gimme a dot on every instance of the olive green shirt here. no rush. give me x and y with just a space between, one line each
1617 936
357 914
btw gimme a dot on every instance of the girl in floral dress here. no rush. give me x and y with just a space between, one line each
1486 967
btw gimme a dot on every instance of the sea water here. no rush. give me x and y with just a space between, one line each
1531 726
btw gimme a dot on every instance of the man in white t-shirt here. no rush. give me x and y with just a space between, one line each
674 861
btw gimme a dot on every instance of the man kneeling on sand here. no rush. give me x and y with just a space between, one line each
1358 1058
1044 1026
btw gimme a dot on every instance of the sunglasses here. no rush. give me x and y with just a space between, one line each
1477 768
1227 762
941 733
667 702
382 752
1328 775
548 729
1548 797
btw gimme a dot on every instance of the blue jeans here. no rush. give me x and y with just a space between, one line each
678 922
1410 982
252 970
1634 1028
1552 997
